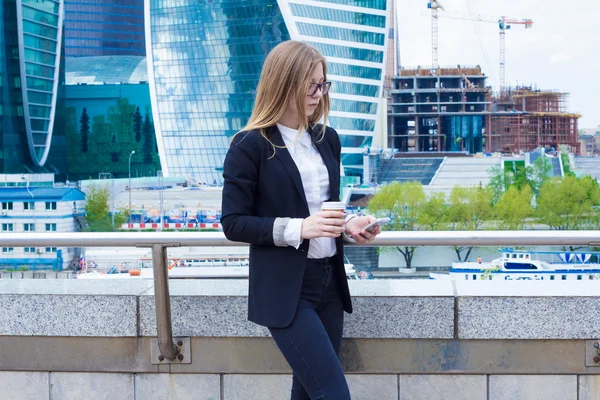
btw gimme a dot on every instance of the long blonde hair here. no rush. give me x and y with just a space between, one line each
286 72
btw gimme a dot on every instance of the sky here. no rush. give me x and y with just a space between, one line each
560 52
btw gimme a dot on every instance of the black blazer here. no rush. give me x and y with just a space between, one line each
259 187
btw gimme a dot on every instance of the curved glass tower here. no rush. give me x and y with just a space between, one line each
29 63
205 58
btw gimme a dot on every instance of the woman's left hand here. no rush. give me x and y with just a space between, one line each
355 229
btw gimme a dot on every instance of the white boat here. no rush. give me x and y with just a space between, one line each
179 270
528 265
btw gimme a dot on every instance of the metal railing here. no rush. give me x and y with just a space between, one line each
159 242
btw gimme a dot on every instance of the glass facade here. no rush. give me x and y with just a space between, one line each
102 28
39 53
205 58
30 39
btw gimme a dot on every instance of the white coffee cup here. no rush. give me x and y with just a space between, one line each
333 206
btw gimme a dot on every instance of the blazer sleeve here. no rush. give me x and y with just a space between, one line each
240 173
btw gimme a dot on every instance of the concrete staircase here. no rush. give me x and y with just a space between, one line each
462 171
408 169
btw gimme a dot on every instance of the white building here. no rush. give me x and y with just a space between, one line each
40 210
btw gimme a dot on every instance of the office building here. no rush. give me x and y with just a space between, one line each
205 58
104 28
30 38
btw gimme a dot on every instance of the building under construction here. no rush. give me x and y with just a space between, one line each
452 109
524 119
442 109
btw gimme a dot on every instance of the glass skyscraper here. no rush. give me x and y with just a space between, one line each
205 58
29 62
104 28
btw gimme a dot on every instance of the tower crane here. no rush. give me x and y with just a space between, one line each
434 6
504 23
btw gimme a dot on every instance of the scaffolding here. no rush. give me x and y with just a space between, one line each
525 119
438 109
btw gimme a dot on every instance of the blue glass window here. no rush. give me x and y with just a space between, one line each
39 98
44 5
355 141
351 35
352 53
357 89
39 111
352 124
40 16
39 84
39 43
362 107
39 70
40 30
40 125
40 57
355 159
330 14
354 71
377 4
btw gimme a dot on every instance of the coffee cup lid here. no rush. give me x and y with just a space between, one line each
334 205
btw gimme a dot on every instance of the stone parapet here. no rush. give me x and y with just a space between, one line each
68 339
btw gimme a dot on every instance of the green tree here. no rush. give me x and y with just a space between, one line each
514 208
403 202
433 215
101 146
499 181
84 130
539 173
137 125
149 140
469 208
96 209
569 203
566 161
74 158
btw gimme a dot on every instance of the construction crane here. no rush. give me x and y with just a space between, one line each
434 6
504 23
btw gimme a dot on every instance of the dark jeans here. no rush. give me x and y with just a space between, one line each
311 344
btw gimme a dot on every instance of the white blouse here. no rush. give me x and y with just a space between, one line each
315 180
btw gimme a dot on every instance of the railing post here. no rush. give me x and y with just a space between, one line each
167 347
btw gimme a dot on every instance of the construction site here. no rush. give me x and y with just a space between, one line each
452 109
524 119
437 109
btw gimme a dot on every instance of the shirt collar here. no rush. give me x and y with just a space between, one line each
289 136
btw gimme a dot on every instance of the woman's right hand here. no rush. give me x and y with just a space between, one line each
323 224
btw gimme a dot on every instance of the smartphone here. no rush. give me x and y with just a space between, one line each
377 222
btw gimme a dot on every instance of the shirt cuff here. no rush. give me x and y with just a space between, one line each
278 231
292 234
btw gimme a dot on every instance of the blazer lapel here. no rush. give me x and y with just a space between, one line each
286 159
330 163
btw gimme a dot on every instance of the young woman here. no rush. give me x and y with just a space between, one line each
278 172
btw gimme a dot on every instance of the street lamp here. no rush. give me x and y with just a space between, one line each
132 153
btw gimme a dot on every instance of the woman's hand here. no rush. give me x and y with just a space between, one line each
355 229
323 224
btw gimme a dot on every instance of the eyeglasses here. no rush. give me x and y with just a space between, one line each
313 87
